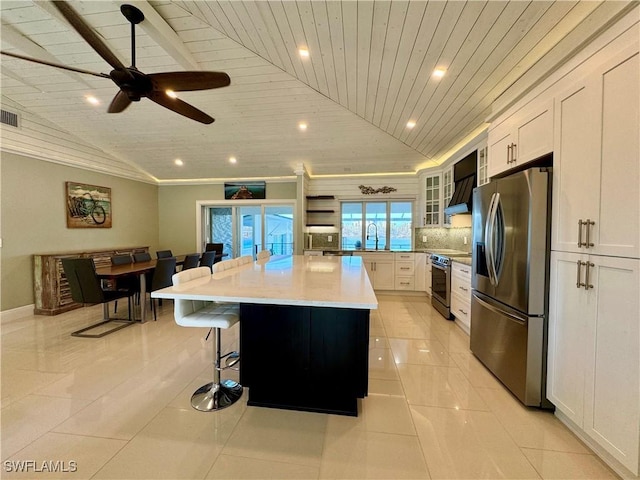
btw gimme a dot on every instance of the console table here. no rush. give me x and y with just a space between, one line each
50 286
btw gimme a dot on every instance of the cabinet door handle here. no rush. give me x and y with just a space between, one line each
587 285
464 271
578 277
508 154
587 225
462 311
514 157
463 289
580 223
404 268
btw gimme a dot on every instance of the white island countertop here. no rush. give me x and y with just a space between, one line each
339 282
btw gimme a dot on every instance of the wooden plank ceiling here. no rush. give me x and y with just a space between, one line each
368 73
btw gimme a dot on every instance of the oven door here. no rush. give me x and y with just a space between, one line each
441 284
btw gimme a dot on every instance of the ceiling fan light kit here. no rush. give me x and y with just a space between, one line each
133 83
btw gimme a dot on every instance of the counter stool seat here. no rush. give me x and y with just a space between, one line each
218 394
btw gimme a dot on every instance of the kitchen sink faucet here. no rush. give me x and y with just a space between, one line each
376 228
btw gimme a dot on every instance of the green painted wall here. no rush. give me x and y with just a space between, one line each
33 219
177 207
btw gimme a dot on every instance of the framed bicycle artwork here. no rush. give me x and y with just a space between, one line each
88 206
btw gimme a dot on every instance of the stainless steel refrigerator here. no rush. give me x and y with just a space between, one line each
509 305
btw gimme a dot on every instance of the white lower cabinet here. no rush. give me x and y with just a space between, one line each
380 267
427 275
593 375
461 294
404 271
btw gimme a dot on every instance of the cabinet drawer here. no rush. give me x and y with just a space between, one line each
404 283
404 268
461 270
404 257
461 288
375 257
461 309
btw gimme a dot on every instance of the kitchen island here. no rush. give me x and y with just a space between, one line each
304 329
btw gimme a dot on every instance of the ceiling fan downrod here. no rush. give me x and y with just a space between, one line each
134 16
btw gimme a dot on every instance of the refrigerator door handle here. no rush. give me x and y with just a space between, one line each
490 239
498 243
516 318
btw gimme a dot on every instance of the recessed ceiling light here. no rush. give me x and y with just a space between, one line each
303 52
232 160
302 126
92 100
178 162
439 72
171 93
411 124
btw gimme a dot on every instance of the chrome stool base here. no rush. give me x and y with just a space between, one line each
212 396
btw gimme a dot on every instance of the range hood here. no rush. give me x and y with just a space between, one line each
464 176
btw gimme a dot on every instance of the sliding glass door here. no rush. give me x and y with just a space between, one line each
248 229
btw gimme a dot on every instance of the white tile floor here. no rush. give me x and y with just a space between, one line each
118 407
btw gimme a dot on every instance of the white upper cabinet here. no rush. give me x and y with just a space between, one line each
596 198
522 137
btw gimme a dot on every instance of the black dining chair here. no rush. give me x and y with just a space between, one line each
208 259
191 261
86 288
164 254
215 247
128 282
144 257
165 269
141 257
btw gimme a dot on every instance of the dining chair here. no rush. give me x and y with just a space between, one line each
215 247
161 278
86 288
218 394
191 261
207 259
141 257
128 282
164 254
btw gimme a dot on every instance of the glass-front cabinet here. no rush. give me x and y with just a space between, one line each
483 177
432 201
447 188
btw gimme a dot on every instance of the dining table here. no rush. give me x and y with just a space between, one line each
139 269
304 328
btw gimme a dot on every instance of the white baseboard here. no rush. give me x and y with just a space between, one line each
16 313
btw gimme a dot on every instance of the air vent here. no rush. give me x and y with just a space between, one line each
9 118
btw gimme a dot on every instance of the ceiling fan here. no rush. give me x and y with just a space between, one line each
132 82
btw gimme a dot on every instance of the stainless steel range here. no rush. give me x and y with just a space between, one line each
441 284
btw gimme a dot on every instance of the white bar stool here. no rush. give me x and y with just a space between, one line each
218 394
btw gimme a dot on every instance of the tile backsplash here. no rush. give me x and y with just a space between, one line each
450 238
321 240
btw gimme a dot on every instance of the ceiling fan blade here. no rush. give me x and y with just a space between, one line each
188 81
57 65
178 106
119 102
88 34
